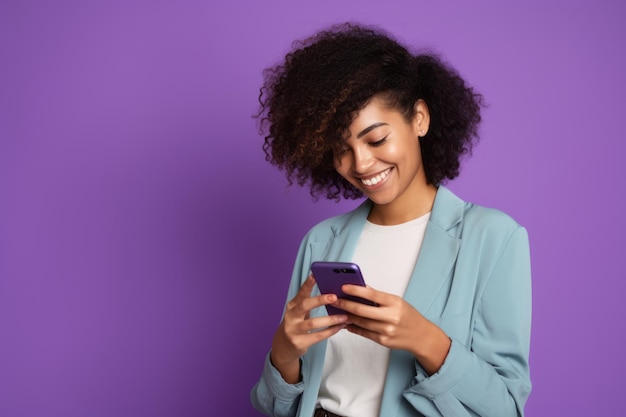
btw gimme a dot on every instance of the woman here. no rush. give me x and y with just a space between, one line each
352 113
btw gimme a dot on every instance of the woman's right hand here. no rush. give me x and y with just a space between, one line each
298 331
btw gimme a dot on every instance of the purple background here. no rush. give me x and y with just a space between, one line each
146 245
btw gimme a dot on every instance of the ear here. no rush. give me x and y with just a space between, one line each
421 120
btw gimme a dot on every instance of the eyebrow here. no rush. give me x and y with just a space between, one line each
369 129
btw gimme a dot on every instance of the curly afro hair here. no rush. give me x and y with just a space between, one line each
308 102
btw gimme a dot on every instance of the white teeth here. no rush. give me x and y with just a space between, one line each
375 180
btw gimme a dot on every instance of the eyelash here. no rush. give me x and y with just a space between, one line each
379 142
374 144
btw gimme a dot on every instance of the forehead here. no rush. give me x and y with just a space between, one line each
376 111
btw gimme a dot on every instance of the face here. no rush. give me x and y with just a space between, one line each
382 156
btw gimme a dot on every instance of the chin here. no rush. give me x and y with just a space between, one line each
380 199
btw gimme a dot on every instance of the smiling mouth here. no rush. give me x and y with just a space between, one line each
376 179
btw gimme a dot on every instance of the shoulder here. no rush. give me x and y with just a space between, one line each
459 217
489 219
491 230
491 240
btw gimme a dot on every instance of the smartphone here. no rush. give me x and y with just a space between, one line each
330 276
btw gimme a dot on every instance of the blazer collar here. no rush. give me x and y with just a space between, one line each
448 209
447 212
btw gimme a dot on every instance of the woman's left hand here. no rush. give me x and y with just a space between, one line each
395 324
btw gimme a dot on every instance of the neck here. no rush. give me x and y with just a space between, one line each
404 210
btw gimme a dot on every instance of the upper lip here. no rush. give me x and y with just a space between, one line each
370 176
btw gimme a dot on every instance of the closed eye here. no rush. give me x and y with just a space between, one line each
379 142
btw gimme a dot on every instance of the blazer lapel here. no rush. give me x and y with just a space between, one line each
438 253
346 234
434 264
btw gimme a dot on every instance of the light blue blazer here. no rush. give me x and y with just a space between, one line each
472 279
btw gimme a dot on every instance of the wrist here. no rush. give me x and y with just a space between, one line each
432 348
288 369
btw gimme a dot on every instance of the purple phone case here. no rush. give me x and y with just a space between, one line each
330 276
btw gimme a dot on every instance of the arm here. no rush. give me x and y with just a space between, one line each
280 388
298 331
278 391
273 396
491 378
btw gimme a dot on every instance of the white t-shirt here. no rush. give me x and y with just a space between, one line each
355 367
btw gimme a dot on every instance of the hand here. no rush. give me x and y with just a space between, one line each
298 331
395 324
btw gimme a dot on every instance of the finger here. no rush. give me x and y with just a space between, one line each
358 330
300 307
372 326
320 300
359 309
319 335
318 323
303 293
303 334
307 287
384 335
368 293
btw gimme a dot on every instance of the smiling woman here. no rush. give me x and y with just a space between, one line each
353 113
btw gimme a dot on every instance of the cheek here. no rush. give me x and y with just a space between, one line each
393 152
407 157
341 168
410 149
342 164
338 166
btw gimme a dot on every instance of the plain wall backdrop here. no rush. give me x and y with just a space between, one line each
146 244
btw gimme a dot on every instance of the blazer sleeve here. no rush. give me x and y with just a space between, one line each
490 378
272 395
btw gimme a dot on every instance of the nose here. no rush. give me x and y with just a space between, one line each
363 159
